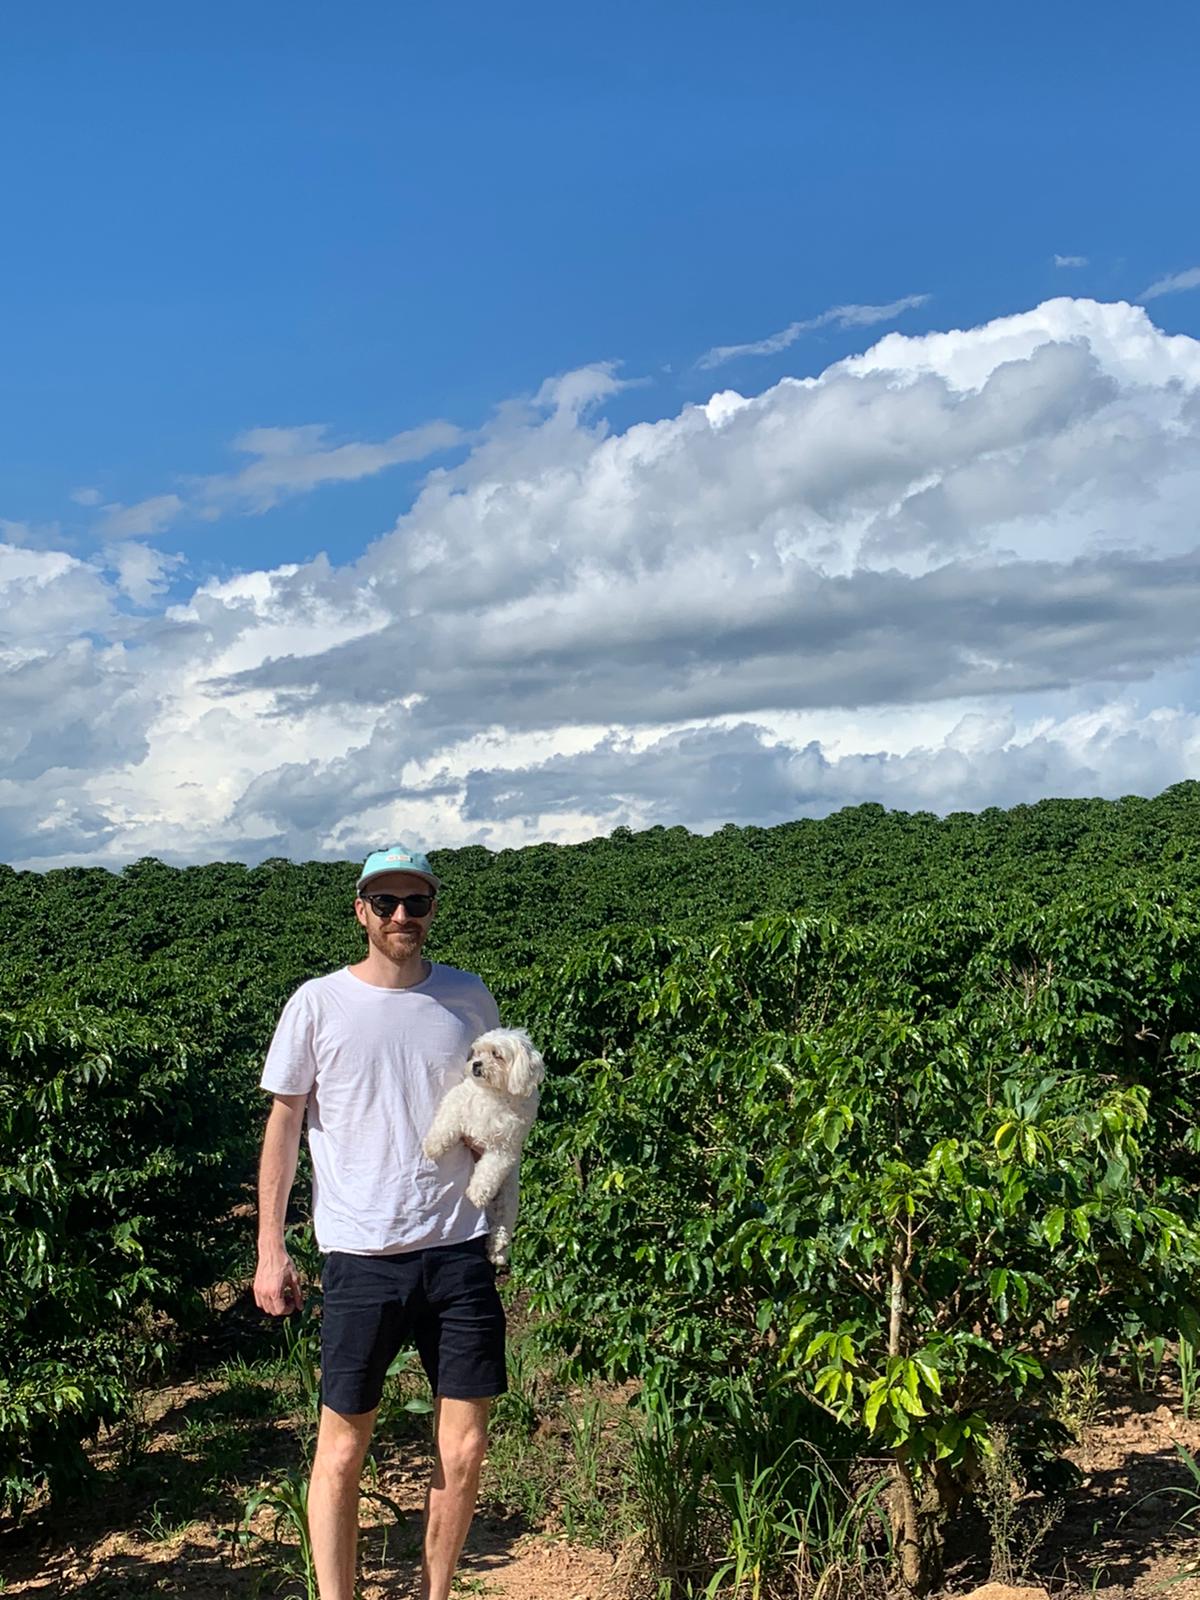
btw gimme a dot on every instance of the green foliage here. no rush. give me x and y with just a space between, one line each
907 1168
893 1115
286 1552
115 1139
739 1501
1187 1377
153 928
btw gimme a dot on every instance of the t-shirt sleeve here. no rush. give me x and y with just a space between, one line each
291 1065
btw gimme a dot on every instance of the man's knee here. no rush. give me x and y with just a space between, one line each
342 1443
461 1458
462 1445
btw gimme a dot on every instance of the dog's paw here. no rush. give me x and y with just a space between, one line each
477 1193
431 1148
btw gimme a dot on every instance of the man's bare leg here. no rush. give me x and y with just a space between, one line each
333 1499
460 1428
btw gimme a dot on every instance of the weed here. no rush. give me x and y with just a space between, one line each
522 1479
795 1527
1145 1358
1187 1377
584 1514
219 1447
286 1499
1017 1528
518 1407
670 1461
160 1529
575 1465
406 1393
302 1374
243 1393
1078 1402
238 1371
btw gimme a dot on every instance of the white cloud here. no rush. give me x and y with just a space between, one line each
1070 261
291 461
284 462
144 518
48 598
141 571
1173 284
836 317
954 570
716 774
1122 341
39 535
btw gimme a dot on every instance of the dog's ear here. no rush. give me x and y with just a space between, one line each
526 1069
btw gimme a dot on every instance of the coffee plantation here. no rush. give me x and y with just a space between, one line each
882 1120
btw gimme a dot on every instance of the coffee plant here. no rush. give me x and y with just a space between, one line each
908 1172
883 1120
123 1147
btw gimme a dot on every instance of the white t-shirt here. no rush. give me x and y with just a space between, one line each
375 1064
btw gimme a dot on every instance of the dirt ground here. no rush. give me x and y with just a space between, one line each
1120 1533
119 1546
1111 1540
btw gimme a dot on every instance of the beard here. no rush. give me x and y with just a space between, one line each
400 944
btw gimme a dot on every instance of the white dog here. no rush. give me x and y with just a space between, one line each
494 1106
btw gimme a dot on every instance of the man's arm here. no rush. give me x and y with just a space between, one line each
276 1285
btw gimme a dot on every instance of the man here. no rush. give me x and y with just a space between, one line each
368 1052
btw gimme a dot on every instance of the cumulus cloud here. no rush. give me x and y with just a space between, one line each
879 533
835 317
954 570
1173 284
719 774
74 703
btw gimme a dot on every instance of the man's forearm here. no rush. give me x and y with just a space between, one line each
276 1173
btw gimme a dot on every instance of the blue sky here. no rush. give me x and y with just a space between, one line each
376 218
223 217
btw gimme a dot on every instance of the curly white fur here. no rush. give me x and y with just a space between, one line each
494 1107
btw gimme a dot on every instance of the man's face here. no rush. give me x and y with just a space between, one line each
399 935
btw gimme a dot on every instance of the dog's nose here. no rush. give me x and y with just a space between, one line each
477 1068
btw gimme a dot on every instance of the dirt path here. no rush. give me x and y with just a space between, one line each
125 1543
196 1564
1120 1536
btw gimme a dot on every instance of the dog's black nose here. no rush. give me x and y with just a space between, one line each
477 1068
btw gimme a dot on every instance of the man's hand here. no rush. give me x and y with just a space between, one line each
475 1149
276 1286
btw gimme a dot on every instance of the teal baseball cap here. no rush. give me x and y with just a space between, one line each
397 858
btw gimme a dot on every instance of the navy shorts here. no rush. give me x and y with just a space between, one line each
442 1299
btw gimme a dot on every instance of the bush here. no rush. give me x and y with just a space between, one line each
122 1149
903 1169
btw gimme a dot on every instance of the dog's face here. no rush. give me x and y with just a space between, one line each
507 1060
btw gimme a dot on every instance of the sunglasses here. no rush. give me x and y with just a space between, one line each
384 905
